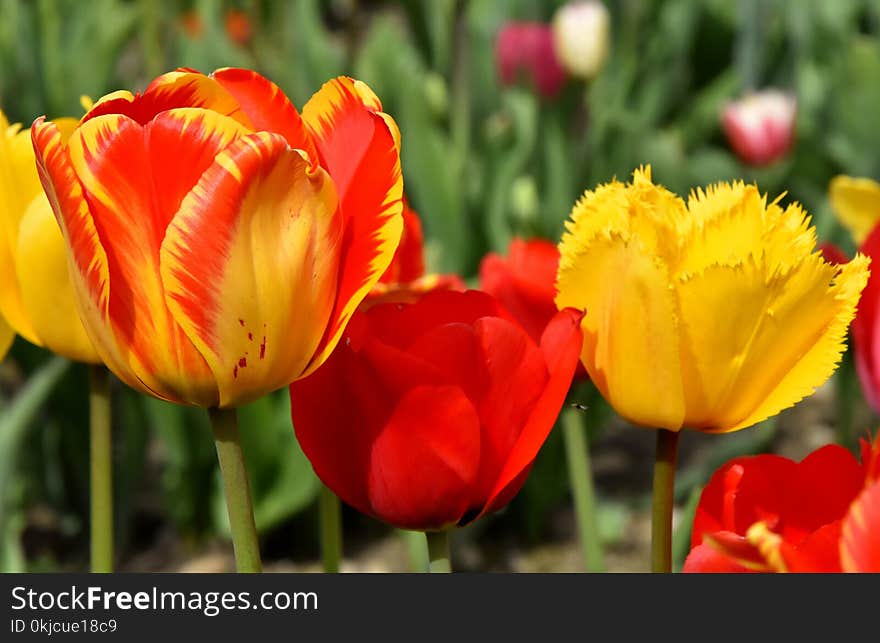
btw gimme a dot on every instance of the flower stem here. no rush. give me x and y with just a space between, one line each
664 486
438 552
101 456
236 489
416 549
581 478
331 530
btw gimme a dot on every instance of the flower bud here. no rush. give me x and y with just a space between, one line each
760 127
526 49
580 34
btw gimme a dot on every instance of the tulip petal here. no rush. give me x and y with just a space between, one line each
516 379
631 334
760 341
19 185
705 559
561 346
134 179
865 328
859 544
249 265
88 265
6 337
856 202
46 289
181 88
267 107
425 461
359 147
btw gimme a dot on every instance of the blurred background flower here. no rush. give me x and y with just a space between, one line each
760 126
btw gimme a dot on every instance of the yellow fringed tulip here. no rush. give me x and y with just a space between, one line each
36 295
711 315
856 202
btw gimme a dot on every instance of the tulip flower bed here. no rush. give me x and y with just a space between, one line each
477 286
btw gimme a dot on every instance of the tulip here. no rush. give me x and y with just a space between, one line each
580 34
442 406
526 49
760 126
856 202
712 315
36 299
219 241
524 282
864 328
769 513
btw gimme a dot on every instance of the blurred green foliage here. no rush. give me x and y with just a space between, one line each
482 163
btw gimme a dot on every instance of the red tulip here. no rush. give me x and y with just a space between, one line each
832 254
524 282
760 126
429 415
769 513
527 49
865 331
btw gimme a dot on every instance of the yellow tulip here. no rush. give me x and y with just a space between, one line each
36 295
711 315
856 202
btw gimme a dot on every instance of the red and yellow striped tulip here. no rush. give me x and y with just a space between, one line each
218 240
36 295
856 203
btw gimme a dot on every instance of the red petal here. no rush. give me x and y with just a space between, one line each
865 326
424 463
705 559
860 543
825 484
180 88
401 326
758 493
408 263
524 283
561 346
267 107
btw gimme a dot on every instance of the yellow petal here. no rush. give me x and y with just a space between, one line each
650 212
809 335
250 263
19 185
46 289
761 340
856 202
630 329
6 337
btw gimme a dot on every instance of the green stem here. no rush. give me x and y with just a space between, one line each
664 486
331 530
101 469
460 117
236 490
581 478
438 552
416 550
